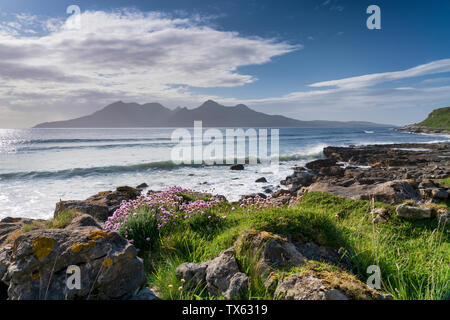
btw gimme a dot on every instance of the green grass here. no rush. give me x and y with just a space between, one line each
445 182
62 220
414 256
438 119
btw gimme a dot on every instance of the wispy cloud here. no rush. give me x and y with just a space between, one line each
435 67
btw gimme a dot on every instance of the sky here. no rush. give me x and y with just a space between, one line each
305 59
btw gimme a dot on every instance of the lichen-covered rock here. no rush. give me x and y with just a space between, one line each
392 192
101 205
221 276
99 212
39 259
10 225
325 285
270 251
312 251
407 211
306 287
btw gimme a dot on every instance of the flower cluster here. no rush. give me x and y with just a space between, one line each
168 207
257 203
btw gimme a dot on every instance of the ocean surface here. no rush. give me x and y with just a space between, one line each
38 167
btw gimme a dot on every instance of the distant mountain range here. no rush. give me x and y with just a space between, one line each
212 114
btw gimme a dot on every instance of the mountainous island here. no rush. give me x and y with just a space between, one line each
438 121
134 115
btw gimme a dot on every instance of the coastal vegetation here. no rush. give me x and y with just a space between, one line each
179 227
437 119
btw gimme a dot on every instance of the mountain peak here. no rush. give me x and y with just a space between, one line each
210 103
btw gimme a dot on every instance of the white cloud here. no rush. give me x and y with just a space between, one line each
435 67
124 53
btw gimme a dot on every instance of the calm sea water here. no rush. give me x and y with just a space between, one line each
38 167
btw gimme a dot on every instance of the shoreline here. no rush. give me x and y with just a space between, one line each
422 129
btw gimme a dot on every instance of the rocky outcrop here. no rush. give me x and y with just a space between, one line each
9 225
422 129
391 173
392 192
325 286
408 211
221 276
306 287
269 251
312 251
36 265
101 205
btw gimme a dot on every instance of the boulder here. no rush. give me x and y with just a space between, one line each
269 251
306 287
392 192
280 193
261 180
101 205
220 275
38 262
10 225
325 285
237 167
312 251
194 274
223 276
316 165
99 212
407 211
113 199
439 194
142 186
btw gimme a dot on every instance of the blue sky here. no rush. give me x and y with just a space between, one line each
279 57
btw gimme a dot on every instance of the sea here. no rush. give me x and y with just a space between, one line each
39 167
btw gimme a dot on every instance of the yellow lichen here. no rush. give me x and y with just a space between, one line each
97 234
42 247
35 275
77 247
108 262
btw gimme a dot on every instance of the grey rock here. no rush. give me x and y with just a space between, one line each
306 287
413 212
439 194
110 268
99 212
220 271
238 285
312 251
194 274
101 205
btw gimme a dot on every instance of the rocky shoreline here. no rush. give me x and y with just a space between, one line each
33 261
422 129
